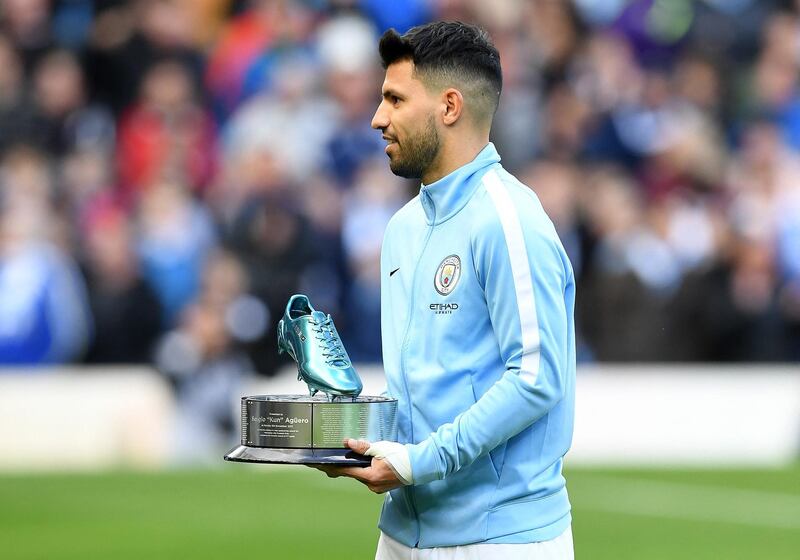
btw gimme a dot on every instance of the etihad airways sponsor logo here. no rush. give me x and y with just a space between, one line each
443 308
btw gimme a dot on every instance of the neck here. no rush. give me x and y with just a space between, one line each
453 155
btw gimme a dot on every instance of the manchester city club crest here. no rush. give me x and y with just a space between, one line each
447 275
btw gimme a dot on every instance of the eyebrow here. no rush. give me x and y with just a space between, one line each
389 92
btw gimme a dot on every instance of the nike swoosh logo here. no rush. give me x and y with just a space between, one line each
395 270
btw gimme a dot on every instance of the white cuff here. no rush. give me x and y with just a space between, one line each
396 455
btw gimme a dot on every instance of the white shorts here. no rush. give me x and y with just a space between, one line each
560 548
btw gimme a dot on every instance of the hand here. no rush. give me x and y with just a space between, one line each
378 477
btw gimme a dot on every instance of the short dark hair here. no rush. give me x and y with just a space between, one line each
449 53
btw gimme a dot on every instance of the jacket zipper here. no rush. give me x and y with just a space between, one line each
404 346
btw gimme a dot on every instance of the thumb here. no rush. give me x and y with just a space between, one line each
358 445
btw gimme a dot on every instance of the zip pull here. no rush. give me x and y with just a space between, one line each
427 205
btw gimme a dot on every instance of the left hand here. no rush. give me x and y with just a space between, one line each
378 477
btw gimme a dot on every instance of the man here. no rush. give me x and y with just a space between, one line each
477 322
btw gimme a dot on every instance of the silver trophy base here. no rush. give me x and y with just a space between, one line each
304 430
286 456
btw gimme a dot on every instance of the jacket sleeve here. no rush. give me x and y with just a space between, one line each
525 278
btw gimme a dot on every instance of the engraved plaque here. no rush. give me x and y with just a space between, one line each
278 424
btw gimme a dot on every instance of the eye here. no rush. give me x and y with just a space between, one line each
394 99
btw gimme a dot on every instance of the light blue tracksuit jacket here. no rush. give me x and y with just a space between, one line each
477 303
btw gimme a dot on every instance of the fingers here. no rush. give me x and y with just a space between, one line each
355 472
335 471
358 445
331 470
378 477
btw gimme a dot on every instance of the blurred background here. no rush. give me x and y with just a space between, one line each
171 171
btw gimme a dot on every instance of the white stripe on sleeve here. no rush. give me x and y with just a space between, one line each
520 268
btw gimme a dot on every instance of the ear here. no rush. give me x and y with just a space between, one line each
453 106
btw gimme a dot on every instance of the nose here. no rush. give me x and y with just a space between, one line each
380 119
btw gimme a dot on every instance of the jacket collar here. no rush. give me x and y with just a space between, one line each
442 199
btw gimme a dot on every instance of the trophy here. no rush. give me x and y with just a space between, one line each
310 429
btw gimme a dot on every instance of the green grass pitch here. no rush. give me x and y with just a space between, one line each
297 513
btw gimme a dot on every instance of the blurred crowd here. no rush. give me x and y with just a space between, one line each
171 171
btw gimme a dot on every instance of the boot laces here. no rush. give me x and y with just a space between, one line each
328 339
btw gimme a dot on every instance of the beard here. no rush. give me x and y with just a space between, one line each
417 153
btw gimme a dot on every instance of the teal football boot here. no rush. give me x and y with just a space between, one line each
310 338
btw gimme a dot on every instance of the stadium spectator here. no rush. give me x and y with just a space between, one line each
27 23
44 315
17 114
266 25
348 59
64 118
277 246
166 135
175 236
292 122
129 37
127 314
